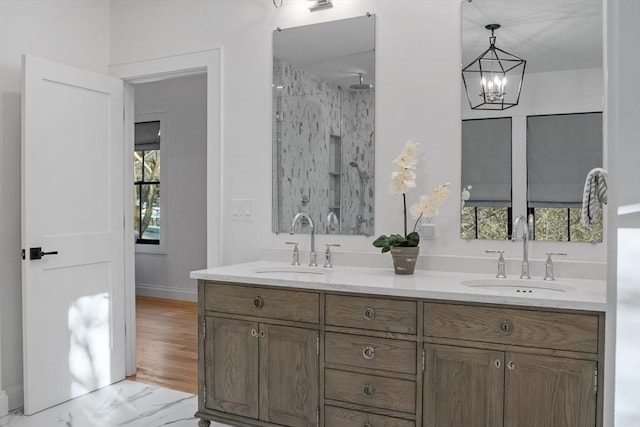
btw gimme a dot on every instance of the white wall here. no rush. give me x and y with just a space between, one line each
405 54
624 248
72 32
417 97
184 154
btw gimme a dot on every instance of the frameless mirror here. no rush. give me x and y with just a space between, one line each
323 125
557 122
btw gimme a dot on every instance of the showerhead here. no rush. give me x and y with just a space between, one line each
362 85
364 176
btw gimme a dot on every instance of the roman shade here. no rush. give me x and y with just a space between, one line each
561 150
147 135
486 161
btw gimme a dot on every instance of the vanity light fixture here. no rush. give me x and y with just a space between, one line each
315 5
495 76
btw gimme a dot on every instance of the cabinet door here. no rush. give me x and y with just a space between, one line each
553 391
463 387
231 366
288 375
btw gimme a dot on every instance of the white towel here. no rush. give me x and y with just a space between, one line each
594 195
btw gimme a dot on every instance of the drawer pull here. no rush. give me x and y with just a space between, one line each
511 365
505 327
258 302
368 390
368 352
369 313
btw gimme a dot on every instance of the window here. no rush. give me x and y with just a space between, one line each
146 176
555 185
563 224
486 166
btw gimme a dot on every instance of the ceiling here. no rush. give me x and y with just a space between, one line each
551 35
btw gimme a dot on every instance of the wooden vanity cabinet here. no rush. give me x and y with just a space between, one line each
509 367
258 368
276 356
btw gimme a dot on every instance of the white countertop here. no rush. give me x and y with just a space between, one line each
581 294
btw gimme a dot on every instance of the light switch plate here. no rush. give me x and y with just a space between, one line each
241 209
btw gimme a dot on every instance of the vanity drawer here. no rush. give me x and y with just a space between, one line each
371 313
368 352
560 331
259 301
334 416
370 390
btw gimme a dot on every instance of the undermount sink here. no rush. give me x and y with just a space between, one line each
291 269
518 285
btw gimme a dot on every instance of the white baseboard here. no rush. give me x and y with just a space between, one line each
15 396
4 403
166 292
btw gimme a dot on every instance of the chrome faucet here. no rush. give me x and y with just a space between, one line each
527 225
312 255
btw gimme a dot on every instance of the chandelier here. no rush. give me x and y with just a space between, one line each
485 79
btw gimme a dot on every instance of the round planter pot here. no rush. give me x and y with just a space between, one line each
404 259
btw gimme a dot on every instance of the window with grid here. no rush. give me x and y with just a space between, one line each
486 166
146 172
561 150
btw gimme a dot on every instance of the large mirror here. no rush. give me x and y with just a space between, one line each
532 158
323 126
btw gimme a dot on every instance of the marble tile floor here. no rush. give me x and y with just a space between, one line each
125 403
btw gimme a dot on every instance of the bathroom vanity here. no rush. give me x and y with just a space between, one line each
356 347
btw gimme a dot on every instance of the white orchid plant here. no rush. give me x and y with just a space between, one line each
403 179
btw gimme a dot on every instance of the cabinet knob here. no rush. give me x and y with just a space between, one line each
368 390
258 302
497 363
369 313
511 365
368 352
367 424
254 333
505 327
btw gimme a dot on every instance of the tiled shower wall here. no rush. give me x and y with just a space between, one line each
314 111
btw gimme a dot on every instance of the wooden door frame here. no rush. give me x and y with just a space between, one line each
209 62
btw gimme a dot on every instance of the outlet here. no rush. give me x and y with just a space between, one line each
428 228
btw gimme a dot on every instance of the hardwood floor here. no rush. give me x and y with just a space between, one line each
167 343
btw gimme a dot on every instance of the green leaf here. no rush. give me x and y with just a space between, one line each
387 242
413 239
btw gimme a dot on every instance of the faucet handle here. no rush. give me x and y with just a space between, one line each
327 255
548 266
501 270
296 253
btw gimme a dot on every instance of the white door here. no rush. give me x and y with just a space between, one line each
72 204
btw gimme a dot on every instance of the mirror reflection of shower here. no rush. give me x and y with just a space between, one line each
364 178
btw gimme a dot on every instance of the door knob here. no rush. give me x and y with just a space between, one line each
37 253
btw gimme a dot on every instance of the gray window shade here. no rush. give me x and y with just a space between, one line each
486 161
561 150
147 135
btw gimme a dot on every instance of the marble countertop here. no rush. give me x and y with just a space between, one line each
578 294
